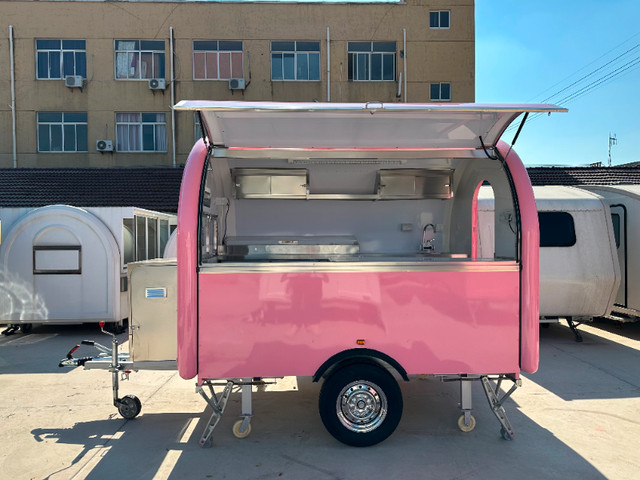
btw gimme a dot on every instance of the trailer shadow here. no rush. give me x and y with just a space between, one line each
597 368
41 350
288 440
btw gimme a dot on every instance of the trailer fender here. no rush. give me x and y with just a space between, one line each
359 355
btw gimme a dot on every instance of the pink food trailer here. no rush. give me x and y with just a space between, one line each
336 241
339 242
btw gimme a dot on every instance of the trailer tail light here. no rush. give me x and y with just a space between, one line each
360 341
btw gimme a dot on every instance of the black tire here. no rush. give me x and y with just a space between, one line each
26 328
129 406
360 405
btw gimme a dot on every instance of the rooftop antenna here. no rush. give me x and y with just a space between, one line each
612 141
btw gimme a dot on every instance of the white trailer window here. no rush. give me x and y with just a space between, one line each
57 260
556 229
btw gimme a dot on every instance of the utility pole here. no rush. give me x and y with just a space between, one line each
612 141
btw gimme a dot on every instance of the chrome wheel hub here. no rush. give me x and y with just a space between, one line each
361 406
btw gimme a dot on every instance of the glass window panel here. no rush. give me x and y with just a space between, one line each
276 66
152 45
148 117
44 117
164 235
308 46
236 65
302 68
56 138
159 65
231 46
376 66
128 241
81 64
69 138
434 19
148 140
224 65
435 91
141 238
384 46
289 66
82 138
73 44
68 63
199 71
122 144
161 138
314 66
43 65
444 19
556 229
359 46
363 67
54 64
388 70
350 72
445 91
205 45
212 65
43 138
282 46
48 44
146 65
615 219
127 45
152 238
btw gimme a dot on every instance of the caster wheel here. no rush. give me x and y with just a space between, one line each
238 433
505 434
129 406
466 428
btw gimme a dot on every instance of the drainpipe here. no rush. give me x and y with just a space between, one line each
404 62
173 99
328 67
13 96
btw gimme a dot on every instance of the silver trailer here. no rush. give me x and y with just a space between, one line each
579 268
624 203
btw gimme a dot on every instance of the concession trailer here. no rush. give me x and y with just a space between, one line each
339 242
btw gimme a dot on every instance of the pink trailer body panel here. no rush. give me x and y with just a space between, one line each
291 323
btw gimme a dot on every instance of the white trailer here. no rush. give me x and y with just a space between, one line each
61 264
624 203
579 270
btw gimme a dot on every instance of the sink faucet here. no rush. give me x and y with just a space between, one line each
428 236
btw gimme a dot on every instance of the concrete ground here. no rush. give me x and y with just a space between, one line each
578 417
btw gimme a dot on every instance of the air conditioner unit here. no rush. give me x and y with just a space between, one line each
104 145
236 84
157 84
73 81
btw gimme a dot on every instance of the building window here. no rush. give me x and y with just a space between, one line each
556 229
440 92
295 61
58 58
139 59
217 60
372 61
141 132
439 19
62 132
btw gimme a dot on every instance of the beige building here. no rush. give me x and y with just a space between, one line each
91 83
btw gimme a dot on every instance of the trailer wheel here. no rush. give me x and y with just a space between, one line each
466 428
26 328
129 406
360 405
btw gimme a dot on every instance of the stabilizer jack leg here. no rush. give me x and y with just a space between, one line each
495 402
217 405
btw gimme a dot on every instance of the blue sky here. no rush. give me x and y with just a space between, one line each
527 51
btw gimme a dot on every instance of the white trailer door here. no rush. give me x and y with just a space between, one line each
619 219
